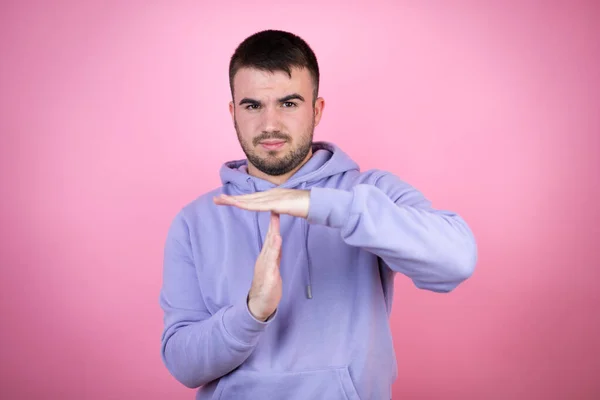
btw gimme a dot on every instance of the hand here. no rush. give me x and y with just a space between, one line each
293 202
265 292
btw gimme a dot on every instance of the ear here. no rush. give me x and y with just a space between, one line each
319 106
232 110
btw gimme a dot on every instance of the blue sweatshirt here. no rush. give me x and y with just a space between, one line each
330 336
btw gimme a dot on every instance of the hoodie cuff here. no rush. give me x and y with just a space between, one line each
242 326
330 207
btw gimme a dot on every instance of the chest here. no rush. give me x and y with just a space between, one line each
312 255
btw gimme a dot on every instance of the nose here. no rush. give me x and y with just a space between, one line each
270 120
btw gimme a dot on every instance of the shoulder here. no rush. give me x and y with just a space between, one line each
189 215
202 203
396 188
380 178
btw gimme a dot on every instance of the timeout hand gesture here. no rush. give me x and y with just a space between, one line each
266 290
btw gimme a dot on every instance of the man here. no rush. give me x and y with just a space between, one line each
279 284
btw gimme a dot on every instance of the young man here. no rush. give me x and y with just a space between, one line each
279 284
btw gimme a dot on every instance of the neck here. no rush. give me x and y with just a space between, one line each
280 179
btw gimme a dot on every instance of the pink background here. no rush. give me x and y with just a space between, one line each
114 115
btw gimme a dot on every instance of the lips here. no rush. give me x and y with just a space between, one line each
272 144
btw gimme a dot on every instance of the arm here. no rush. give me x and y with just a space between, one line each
436 249
197 346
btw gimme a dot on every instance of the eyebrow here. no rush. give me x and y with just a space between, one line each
294 96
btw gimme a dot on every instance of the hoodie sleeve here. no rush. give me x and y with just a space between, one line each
434 248
197 346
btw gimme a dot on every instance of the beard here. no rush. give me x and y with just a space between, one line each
273 165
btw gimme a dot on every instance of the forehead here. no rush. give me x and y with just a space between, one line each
250 82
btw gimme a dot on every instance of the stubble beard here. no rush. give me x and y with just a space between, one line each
273 165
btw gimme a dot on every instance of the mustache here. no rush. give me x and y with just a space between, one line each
270 135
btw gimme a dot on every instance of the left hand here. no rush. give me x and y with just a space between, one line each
292 202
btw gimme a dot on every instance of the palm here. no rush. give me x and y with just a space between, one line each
281 201
266 290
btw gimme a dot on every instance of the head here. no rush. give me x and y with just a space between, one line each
274 81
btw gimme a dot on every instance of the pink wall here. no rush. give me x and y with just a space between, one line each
112 116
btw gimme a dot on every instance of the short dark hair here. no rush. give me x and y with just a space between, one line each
275 50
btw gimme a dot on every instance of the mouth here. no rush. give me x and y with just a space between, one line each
272 144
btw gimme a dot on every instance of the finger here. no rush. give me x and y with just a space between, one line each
274 225
276 240
278 243
275 249
256 195
242 205
269 230
224 200
272 230
255 205
278 258
267 194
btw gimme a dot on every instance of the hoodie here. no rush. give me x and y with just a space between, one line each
330 336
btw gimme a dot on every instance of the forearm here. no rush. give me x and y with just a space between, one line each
198 345
436 249
199 352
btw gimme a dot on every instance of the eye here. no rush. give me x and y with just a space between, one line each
251 107
289 104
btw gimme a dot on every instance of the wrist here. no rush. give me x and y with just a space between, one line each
252 310
330 207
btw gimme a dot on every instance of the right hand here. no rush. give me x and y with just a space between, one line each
265 292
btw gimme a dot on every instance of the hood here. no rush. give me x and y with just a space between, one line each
327 160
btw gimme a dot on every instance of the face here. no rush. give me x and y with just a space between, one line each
274 118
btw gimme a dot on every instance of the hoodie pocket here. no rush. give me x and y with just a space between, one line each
330 384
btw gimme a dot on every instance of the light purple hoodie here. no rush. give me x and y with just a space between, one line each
330 337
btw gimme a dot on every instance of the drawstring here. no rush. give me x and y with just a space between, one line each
308 263
305 247
257 225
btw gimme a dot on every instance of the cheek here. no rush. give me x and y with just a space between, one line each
300 122
246 124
